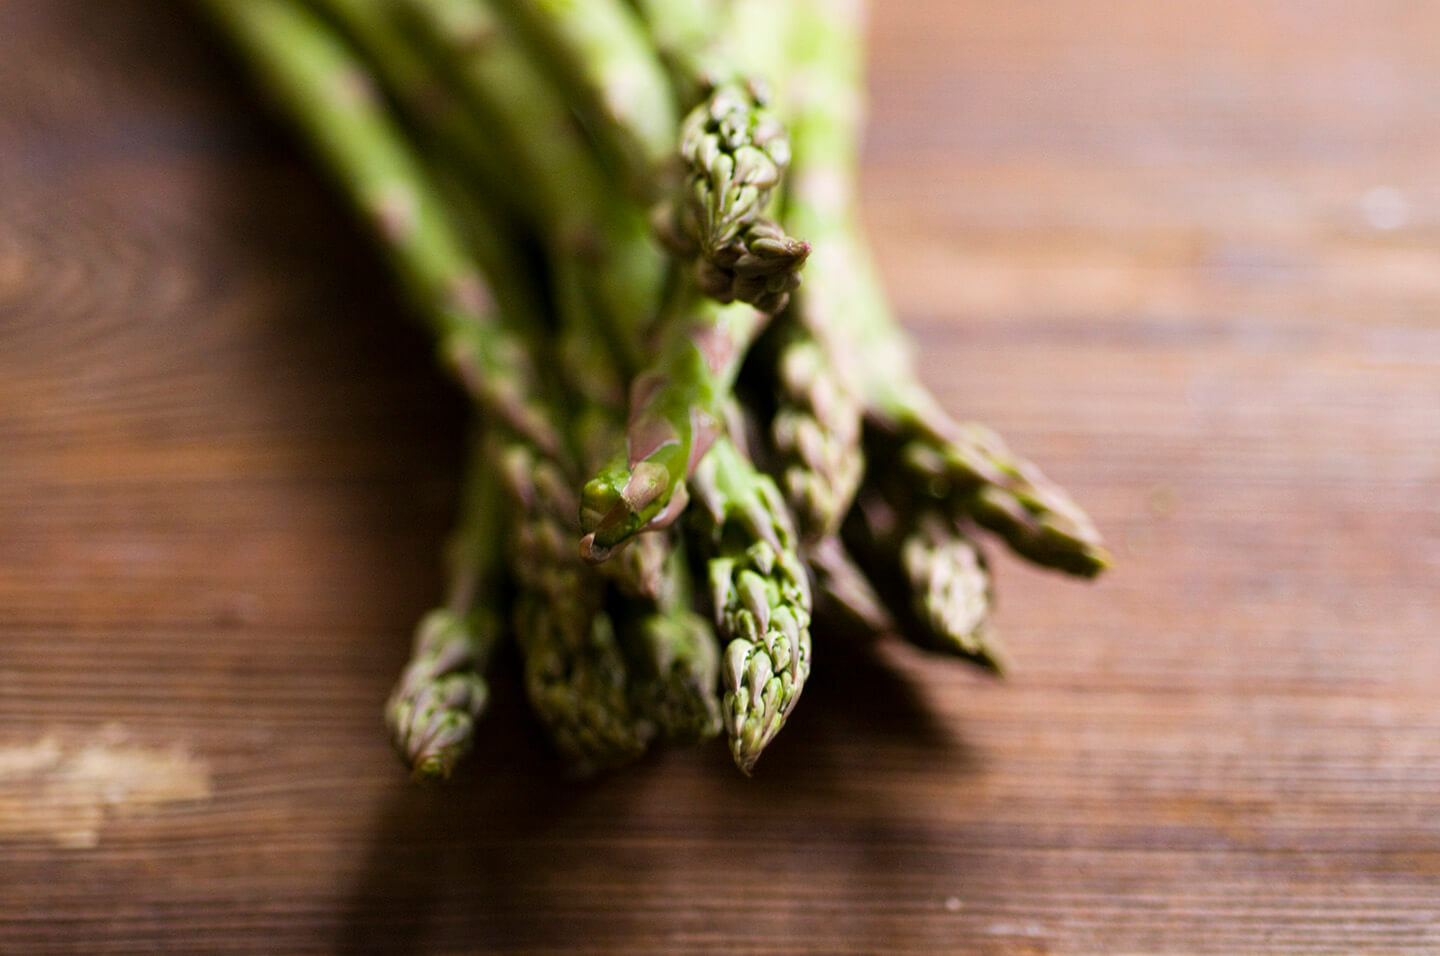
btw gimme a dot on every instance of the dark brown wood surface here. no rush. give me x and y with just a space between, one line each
1186 254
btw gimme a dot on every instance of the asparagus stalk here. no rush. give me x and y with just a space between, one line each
671 651
816 428
761 596
682 32
964 465
429 107
597 52
330 99
497 79
441 693
675 404
598 240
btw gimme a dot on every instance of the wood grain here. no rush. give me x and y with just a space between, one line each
1185 254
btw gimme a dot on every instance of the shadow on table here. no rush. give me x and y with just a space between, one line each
514 856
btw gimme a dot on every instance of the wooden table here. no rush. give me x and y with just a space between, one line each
1185 254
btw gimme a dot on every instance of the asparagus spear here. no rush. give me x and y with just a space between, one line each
843 593
429 107
964 465
817 426
675 403
495 78
761 595
949 576
615 278
671 651
576 677
934 579
970 469
641 570
732 150
433 709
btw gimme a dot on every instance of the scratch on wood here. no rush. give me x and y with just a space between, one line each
62 789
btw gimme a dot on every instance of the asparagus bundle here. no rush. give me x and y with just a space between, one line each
607 189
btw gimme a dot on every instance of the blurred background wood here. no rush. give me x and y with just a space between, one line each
1183 254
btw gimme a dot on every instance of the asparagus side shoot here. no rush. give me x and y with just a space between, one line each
676 413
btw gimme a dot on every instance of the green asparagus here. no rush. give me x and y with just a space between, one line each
517 161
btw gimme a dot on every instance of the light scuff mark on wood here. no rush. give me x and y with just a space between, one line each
64 787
